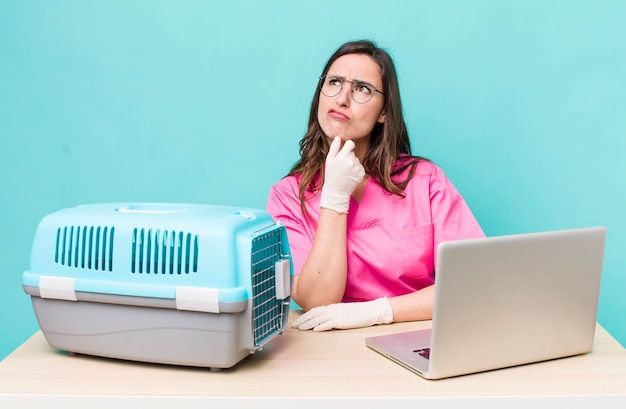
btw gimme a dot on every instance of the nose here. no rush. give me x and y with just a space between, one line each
344 96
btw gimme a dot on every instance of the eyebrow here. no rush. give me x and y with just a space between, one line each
357 80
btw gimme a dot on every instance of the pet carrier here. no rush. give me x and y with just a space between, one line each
182 284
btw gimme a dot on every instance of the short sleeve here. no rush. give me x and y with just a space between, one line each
284 206
451 216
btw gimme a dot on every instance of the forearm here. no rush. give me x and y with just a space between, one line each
322 279
410 307
415 306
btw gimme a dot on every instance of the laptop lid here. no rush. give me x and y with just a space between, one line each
508 300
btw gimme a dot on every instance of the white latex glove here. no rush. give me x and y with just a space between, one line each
343 173
346 315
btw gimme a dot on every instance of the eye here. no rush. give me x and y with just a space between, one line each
362 88
334 82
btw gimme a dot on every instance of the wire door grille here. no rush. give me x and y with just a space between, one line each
267 309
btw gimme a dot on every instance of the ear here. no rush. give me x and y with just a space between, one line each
381 118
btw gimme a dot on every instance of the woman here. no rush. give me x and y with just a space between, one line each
363 216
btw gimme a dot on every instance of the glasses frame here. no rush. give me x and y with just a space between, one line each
322 79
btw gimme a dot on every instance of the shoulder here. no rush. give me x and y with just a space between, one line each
426 167
423 168
425 175
287 181
287 187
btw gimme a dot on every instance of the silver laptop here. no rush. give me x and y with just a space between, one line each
505 301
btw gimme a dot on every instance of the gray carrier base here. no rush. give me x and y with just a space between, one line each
148 329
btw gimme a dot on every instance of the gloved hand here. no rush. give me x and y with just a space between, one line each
343 173
346 315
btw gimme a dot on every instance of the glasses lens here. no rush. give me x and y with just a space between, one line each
361 93
331 86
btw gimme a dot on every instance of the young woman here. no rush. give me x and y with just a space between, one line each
363 215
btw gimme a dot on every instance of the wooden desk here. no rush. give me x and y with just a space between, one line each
306 369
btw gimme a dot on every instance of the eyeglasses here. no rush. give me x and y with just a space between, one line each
361 92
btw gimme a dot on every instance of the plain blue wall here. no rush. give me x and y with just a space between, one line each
521 102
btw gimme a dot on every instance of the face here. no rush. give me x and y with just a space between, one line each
341 115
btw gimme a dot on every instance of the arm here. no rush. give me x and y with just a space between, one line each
415 306
322 279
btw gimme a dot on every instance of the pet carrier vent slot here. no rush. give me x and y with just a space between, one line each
267 310
87 247
164 252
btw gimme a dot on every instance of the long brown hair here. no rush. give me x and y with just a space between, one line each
389 152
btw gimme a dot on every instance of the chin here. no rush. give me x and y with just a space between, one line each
332 130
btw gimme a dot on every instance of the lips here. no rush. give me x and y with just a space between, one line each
337 115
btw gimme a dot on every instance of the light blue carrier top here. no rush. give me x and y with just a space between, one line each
159 250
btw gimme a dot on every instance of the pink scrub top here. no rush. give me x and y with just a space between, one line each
391 240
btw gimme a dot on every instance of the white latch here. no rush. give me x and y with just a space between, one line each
58 288
283 279
197 299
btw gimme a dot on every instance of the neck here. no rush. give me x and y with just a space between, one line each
360 148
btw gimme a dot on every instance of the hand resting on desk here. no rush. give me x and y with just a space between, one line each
346 315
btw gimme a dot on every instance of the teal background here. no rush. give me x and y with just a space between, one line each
521 102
